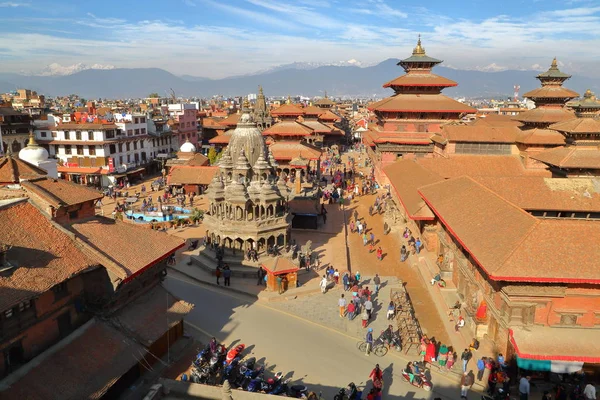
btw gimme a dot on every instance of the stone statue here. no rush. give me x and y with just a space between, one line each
306 249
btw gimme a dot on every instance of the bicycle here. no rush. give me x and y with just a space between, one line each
379 349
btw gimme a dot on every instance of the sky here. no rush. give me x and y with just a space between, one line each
220 38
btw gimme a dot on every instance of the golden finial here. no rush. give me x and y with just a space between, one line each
32 141
554 64
326 95
419 50
588 94
260 90
246 104
289 100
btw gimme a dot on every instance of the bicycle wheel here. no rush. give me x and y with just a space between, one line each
362 346
380 350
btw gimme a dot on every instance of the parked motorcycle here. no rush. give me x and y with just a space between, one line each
500 394
420 379
350 392
202 357
235 352
230 370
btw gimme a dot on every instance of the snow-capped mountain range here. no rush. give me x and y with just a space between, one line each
314 65
56 69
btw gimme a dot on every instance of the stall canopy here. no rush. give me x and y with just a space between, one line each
560 350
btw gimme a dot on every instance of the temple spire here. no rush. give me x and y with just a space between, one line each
32 141
419 50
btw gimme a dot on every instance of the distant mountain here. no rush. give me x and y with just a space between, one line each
336 80
192 78
311 65
56 69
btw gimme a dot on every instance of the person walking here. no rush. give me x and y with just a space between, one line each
369 307
377 282
227 275
369 341
357 277
589 392
524 387
365 239
323 284
450 362
260 275
351 311
376 376
218 274
279 284
492 381
346 281
466 381
365 318
480 368
465 357
372 238
342 305
379 254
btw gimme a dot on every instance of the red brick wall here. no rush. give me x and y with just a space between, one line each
585 305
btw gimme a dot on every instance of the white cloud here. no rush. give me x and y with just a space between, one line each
14 5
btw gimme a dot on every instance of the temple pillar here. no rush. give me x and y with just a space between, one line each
298 181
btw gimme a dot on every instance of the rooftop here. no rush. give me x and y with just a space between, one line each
12 169
191 175
287 110
545 114
570 157
59 192
540 136
480 133
279 265
476 165
288 150
578 125
124 248
420 79
288 128
508 243
42 254
421 103
406 176
546 194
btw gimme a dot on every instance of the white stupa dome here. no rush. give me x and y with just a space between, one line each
33 153
187 147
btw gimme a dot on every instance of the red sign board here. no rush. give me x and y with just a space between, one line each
111 164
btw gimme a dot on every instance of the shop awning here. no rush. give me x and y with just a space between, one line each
555 348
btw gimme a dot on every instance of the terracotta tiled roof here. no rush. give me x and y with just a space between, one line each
59 192
231 120
406 176
279 266
82 367
312 110
288 128
545 115
508 243
190 175
317 126
540 136
151 315
43 255
288 150
546 194
556 343
220 139
578 125
480 134
325 101
82 170
419 79
570 157
197 160
13 168
496 120
287 110
474 165
552 92
376 136
211 123
123 248
421 103
329 116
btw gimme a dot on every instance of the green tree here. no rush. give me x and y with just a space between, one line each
153 95
213 156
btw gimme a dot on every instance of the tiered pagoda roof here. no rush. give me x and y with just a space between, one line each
287 110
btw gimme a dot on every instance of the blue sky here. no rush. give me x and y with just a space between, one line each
217 38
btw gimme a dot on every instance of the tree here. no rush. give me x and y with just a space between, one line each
153 95
213 156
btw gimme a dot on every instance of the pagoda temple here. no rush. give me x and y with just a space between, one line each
248 204
406 120
262 116
289 139
581 155
550 107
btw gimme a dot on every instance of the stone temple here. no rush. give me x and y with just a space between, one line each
248 202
